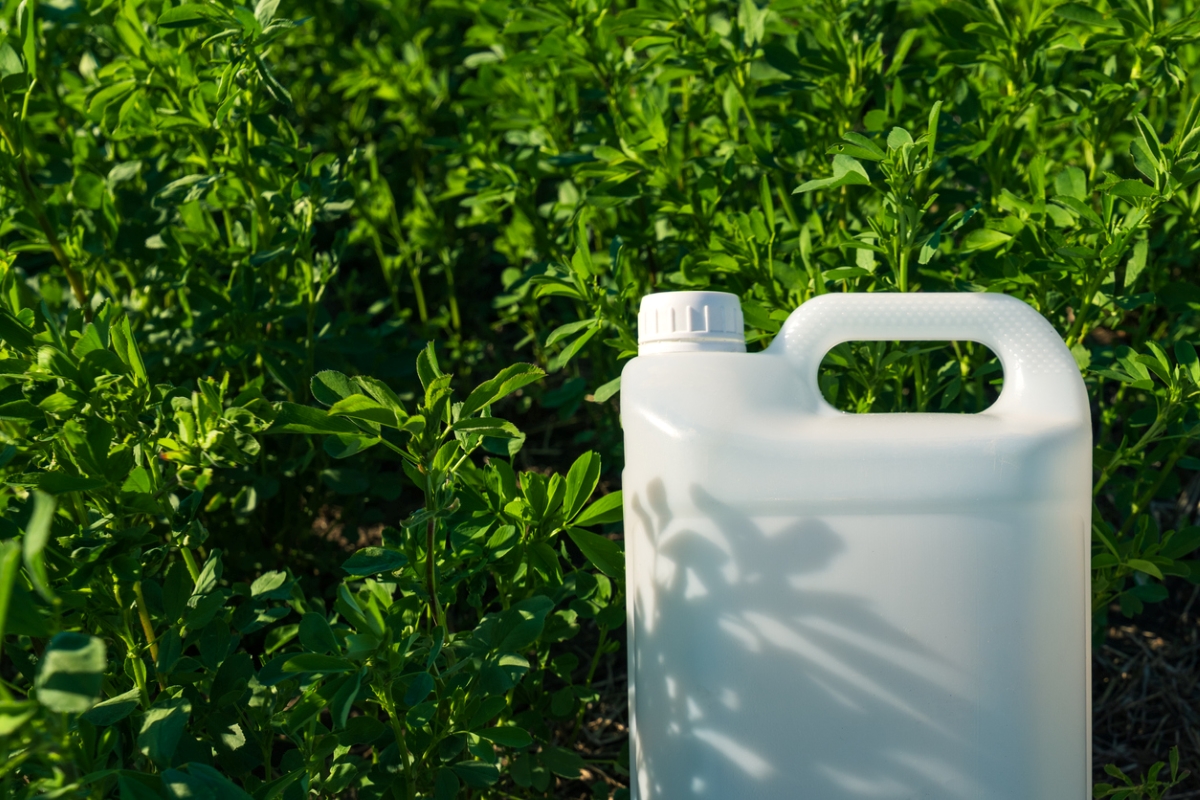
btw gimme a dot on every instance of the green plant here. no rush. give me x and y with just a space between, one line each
441 656
1150 787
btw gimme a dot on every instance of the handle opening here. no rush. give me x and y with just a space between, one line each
880 377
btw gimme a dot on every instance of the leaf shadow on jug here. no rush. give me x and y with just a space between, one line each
751 681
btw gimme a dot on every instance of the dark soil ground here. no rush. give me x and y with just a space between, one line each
1146 690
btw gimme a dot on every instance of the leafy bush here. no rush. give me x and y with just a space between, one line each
219 221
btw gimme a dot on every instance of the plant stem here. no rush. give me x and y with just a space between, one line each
389 705
435 609
130 645
1119 459
1148 495
29 189
190 561
591 674
144 616
414 273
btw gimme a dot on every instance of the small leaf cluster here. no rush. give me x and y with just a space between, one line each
1150 788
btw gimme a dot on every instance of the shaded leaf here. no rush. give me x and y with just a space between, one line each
605 554
373 560
71 672
162 728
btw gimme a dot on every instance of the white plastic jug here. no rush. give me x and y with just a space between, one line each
848 606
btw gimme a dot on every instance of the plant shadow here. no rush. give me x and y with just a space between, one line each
751 677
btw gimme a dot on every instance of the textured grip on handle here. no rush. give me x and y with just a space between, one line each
1040 376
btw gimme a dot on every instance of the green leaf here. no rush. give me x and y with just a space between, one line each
293 418
562 331
898 138
343 445
138 482
487 426
1078 12
847 171
316 635
14 714
506 736
605 554
606 391
71 673
15 334
210 573
37 535
276 788
844 273
1132 189
1136 263
316 662
162 728
419 715
373 560
1143 159
581 482
1182 543
329 386
126 347
190 15
25 617
10 558
1149 138
427 366
985 239
864 143
562 762
201 780
362 407
507 381
521 625
27 24
1147 567
343 702
447 785
1072 182
113 710
853 151
382 393
1185 354
264 11
476 774
935 114
268 582
567 353
606 509
20 410
420 687
1150 592
10 62
767 204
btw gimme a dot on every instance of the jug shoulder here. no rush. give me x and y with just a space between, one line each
730 422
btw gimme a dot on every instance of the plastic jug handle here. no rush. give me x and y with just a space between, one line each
1040 375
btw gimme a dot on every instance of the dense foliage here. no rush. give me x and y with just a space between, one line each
259 538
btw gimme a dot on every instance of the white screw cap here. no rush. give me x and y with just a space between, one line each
674 322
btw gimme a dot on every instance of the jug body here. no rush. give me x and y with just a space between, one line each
836 606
